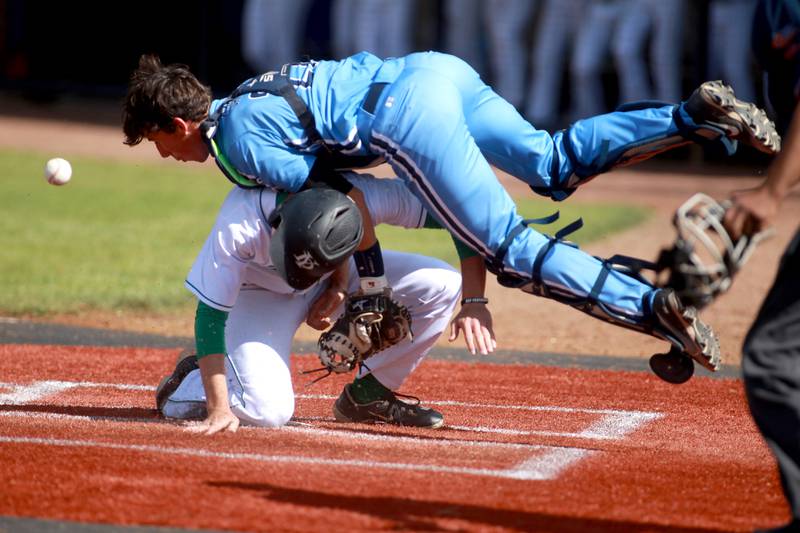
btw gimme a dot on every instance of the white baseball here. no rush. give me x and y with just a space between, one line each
57 171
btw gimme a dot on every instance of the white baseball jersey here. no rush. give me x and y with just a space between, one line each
236 252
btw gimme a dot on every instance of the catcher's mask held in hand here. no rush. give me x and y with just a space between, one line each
316 230
702 262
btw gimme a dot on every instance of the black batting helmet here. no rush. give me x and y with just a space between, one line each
315 231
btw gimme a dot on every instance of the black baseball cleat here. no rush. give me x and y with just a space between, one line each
680 325
186 363
714 103
389 410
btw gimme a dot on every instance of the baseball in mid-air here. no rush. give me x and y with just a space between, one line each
57 171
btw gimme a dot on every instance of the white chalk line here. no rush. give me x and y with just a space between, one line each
613 425
294 427
543 467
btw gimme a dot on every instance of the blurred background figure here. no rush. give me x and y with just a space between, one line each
382 27
556 28
272 32
462 26
590 57
506 25
729 54
659 25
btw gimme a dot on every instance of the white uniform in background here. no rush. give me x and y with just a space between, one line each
658 24
558 24
381 27
506 25
590 57
463 32
729 55
233 273
272 32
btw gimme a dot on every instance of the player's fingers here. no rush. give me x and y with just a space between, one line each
480 341
488 340
738 222
328 307
752 225
470 340
731 221
453 331
221 425
319 323
196 427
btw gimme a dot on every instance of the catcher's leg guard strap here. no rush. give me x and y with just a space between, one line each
536 273
593 306
704 135
496 264
664 316
590 303
562 187
598 144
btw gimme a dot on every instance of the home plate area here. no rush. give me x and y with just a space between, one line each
459 449
524 447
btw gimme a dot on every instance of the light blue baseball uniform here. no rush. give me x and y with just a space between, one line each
440 128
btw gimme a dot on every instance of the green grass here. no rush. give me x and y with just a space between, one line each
122 236
118 236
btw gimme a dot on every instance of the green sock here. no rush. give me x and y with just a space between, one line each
368 389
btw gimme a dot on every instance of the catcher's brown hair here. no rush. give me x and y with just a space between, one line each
158 93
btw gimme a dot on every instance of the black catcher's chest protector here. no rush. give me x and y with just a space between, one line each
324 172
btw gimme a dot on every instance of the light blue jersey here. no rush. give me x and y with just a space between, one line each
260 133
441 128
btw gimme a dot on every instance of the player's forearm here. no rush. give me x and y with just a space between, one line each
369 239
473 277
784 172
368 255
340 277
212 370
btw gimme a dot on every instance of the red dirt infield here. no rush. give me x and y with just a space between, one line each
525 448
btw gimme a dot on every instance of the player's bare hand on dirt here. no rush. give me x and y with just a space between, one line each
319 315
475 320
222 420
751 211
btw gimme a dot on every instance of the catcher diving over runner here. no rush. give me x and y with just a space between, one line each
441 128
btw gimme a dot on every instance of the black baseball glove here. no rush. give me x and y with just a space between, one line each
370 323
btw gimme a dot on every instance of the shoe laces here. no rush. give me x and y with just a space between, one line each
397 408
415 401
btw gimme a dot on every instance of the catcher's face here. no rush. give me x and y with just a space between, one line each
183 144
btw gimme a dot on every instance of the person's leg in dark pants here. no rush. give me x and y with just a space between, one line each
771 368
